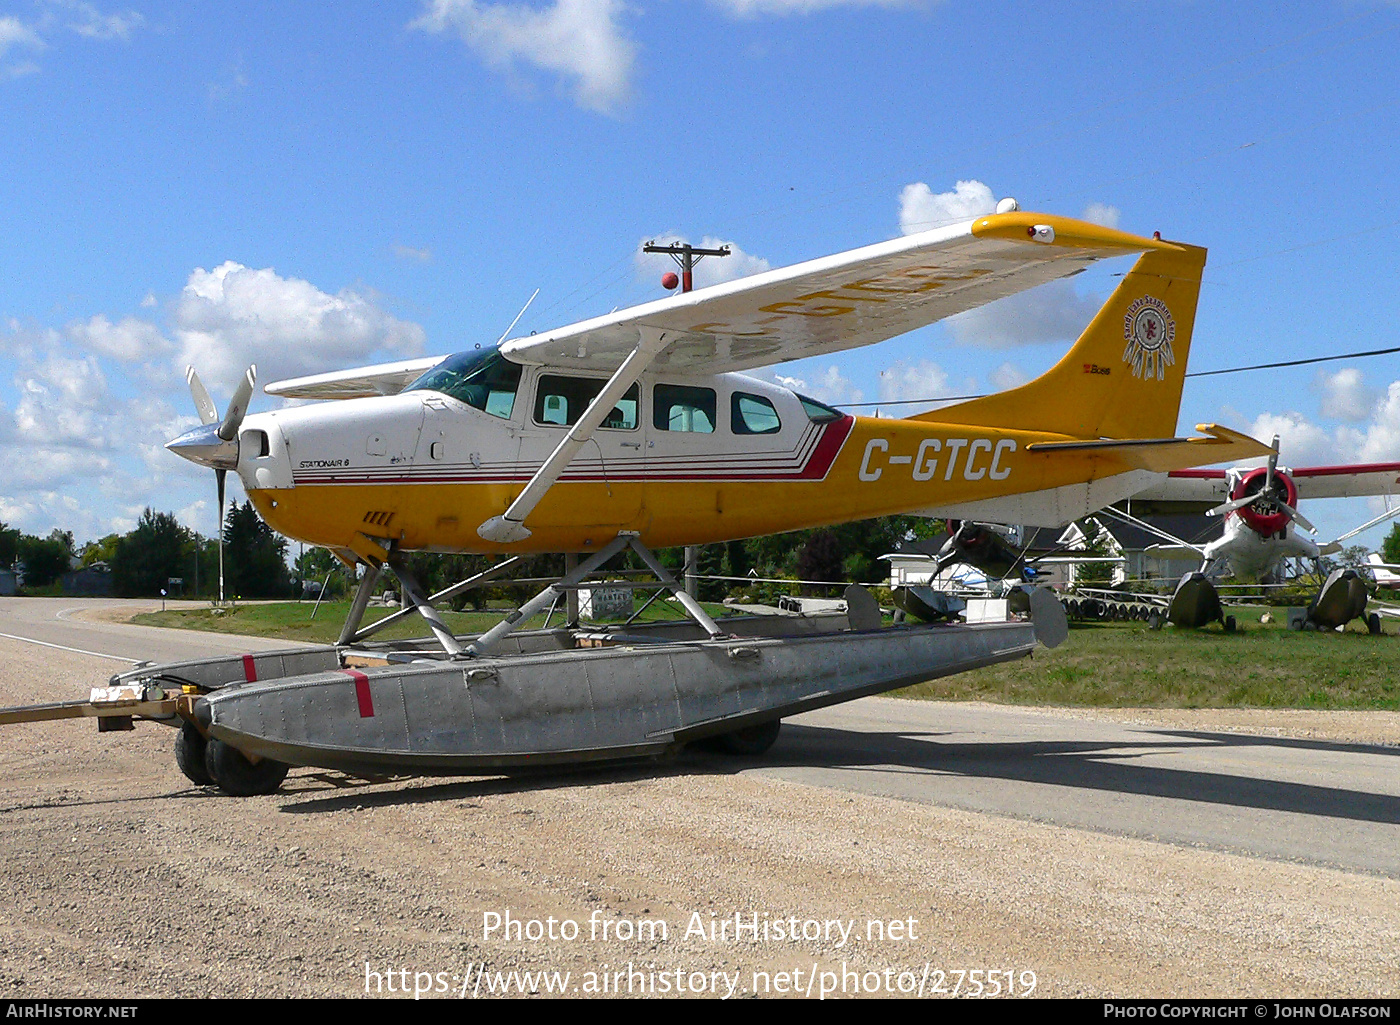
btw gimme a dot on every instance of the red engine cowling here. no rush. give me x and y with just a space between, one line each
1263 516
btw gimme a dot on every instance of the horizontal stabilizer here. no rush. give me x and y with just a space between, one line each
1162 455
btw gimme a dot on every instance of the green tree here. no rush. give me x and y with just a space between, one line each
150 555
1390 548
9 546
1353 555
1098 547
45 559
104 550
255 557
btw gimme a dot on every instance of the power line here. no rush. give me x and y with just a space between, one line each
1296 362
1199 373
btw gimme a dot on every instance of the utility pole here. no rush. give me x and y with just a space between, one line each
686 257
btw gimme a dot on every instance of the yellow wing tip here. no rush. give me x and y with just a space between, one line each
1023 225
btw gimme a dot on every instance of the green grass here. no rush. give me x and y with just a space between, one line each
1116 665
1112 665
292 620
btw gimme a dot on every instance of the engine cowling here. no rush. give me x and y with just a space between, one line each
1263 515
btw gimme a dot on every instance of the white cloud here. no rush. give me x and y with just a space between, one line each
920 208
1102 213
14 32
1008 376
779 8
86 20
921 380
76 16
711 270
579 40
127 341
1374 438
1304 443
1382 441
231 316
1053 312
1344 395
404 252
826 386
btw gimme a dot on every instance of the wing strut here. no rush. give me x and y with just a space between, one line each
510 526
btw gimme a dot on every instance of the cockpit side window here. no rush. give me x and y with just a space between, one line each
483 379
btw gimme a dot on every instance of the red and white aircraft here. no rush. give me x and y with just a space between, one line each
1259 505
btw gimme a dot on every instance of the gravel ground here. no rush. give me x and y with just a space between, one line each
123 880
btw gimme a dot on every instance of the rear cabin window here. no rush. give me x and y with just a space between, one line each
752 414
682 408
562 400
818 412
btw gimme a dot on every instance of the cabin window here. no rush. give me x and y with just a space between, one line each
677 407
818 412
562 400
482 378
752 414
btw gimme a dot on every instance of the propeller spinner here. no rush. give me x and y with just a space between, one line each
1268 506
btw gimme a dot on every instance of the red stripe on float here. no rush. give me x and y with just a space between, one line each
250 671
362 694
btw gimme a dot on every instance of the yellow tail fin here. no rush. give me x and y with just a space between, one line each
1123 377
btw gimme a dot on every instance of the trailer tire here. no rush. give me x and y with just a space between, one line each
189 755
748 742
236 775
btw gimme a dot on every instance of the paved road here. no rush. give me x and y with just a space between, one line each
1316 801
1320 802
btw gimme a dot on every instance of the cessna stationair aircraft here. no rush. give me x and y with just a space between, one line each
638 423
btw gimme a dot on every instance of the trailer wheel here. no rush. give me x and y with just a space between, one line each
1373 624
236 775
189 755
1230 624
750 741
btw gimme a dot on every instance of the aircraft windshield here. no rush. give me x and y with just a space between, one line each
820 413
482 378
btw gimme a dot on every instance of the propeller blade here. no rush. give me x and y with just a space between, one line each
203 404
1273 464
1232 505
238 405
1297 517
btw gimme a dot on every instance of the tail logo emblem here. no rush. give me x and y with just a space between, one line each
1150 330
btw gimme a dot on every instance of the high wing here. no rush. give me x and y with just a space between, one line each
1211 485
1347 481
837 302
357 383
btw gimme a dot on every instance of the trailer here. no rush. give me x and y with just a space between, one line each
548 697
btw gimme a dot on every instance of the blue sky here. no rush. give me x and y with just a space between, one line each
312 186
